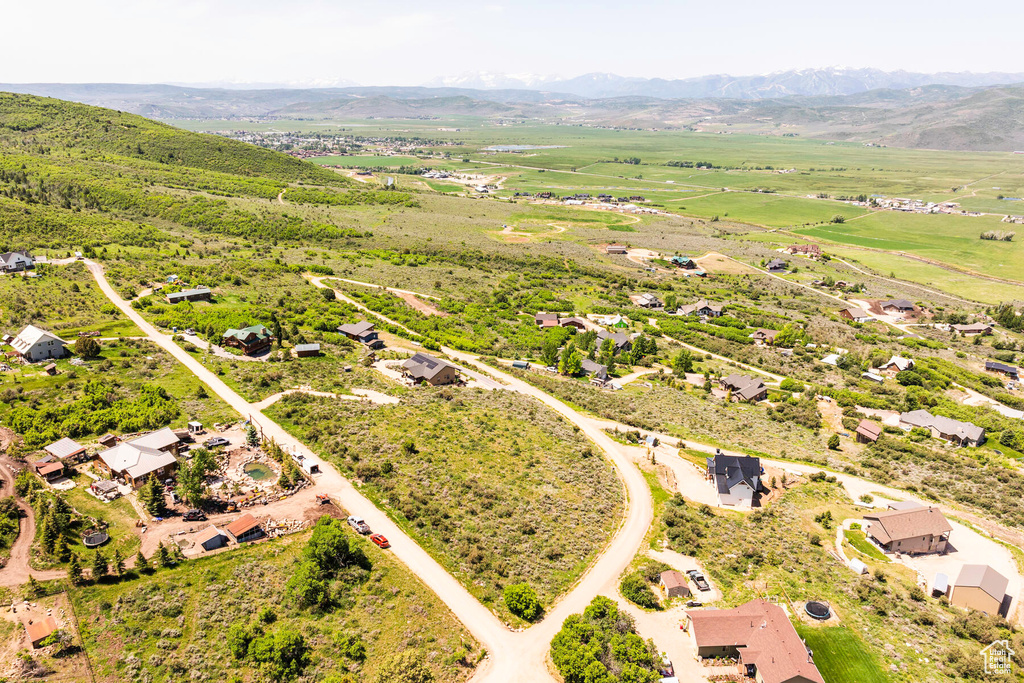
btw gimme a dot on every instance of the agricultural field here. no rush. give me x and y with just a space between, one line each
494 486
180 622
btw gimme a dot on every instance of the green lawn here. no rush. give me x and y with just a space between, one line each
859 540
841 656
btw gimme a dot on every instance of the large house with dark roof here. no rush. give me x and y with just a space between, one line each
914 530
1009 370
745 388
621 341
737 478
364 333
702 309
194 294
760 636
429 369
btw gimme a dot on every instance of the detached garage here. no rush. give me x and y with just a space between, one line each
245 528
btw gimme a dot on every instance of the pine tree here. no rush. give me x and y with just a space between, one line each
118 562
251 437
62 551
163 557
75 570
99 566
34 589
141 564
48 534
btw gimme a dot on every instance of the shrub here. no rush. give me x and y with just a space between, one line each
522 601
634 587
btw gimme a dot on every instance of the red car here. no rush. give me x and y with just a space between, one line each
380 541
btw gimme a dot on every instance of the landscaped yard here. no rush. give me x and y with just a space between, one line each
841 656
859 540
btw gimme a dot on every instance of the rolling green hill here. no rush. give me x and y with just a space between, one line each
39 123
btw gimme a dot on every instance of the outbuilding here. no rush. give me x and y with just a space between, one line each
307 350
211 538
40 630
979 587
674 584
245 528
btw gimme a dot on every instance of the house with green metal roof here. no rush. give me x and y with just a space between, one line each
250 340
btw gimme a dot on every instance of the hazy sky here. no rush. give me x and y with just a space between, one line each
396 42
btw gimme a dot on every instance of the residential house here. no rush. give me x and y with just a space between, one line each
915 530
594 370
135 460
764 337
857 315
195 294
16 261
812 250
760 636
34 344
428 369
306 350
211 538
546 319
674 584
40 630
684 262
948 429
868 431
898 306
250 340
621 341
1008 370
973 330
579 323
981 588
66 449
702 309
776 265
744 388
646 300
737 478
364 333
245 528
831 359
897 364
615 249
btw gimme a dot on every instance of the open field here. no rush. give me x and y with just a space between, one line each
172 623
496 498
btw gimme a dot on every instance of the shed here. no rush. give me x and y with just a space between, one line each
38 631
195 427
245 528
520 365
307 350
674 584
310 466
979 587
51 369
211 538
858 567
108 440
868 431
50 471
940 586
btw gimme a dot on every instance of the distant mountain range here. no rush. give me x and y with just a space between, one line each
810 82
973 114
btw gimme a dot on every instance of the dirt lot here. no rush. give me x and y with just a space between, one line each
713 262
421 305
43 665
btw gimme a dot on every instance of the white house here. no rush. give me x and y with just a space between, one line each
16 261
737 478
897 364
34 344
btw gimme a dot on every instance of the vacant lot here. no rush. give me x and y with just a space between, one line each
494 485
171 626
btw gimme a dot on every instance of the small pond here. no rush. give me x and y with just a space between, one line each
258 471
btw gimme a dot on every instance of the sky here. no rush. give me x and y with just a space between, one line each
399 42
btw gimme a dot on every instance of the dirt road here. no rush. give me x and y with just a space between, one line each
17 569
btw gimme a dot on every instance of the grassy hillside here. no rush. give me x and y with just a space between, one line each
47 125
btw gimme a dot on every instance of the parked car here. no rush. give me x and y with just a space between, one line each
694 603
216 442
175 498
194 515
699 580
380 541
359 525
